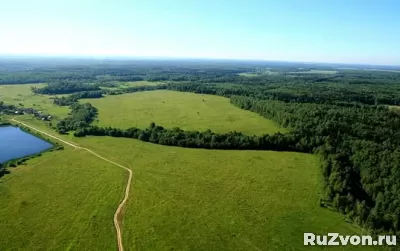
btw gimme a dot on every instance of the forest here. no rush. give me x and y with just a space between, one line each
344 117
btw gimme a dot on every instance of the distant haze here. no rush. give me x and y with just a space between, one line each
342 31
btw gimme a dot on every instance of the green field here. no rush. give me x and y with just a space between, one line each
63 200
255 74
122 85
176 109
139 83
248 74
325 72
181 199
22 94
191 199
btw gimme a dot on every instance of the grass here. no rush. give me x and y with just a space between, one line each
122 85
248 74
255 74
325 72
63 200
22 94
182 199
192 199
139 83
176 109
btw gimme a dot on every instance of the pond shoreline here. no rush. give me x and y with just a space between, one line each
15 162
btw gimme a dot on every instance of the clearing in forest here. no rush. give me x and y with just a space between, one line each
325 72
188 111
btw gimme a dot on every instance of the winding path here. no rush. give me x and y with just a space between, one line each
128 184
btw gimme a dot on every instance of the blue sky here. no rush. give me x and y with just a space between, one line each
348 31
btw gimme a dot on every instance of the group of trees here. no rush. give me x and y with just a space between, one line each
195 139
6 109
81 116
65 87
73 98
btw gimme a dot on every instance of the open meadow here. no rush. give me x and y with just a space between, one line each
177 109
139 83
62 200
325 72
195 199
181 199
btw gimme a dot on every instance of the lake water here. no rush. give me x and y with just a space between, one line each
15 143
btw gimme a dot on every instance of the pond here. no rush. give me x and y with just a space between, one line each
15 143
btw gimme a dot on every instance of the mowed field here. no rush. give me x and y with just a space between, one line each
63 200
22 94
178 109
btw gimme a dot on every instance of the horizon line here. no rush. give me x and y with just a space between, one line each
172 58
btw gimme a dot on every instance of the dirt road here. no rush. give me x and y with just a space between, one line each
128 184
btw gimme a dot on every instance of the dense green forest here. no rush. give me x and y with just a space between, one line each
344 117
65 87
81 116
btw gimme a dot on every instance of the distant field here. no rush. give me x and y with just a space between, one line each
63 200
139 83
254 74
248 74
122 84
177 109
22 94
394 107
315 72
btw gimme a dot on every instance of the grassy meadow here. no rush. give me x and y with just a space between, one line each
139 83
63 200
248 74
325 72
181 199
255 74
196 199
177 109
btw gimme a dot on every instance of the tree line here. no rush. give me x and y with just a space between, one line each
360 146
65 87
196 139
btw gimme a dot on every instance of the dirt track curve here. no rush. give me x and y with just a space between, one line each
128 184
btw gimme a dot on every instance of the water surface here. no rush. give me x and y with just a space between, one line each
15 143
